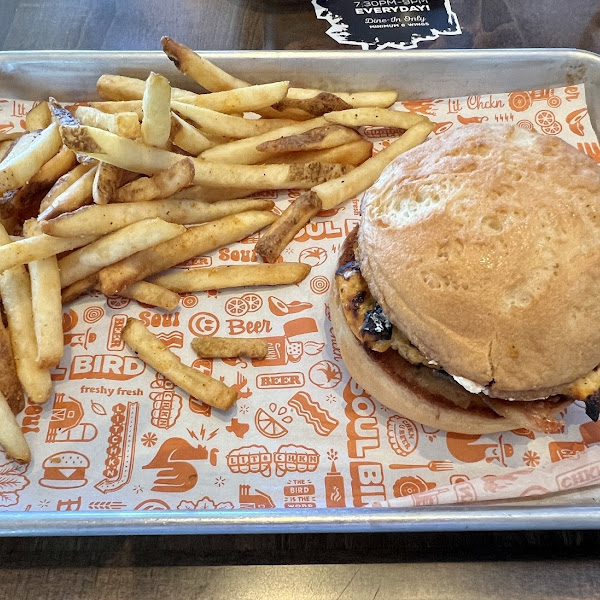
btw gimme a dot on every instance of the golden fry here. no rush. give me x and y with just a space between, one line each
63 182
39 117
11 436
352 153
222 347
150 293
107 180
154 353
10 386
319 138
125 124
187 137
359 117
156 108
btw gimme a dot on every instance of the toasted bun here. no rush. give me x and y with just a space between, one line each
420 394
483 246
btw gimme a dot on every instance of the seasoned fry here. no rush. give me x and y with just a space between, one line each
15 289
219 278
46 303
115 246
64 182
153 352
216 123
211 194
39 247
162 185
352 153
336 191
316 105
11 436
266 177
39 117
125 124
115 150
187 137
100 220
287 225
122 106
150 293
19 167
107 180
319 138
246 152
73 291
358 117
156 108
5 146
222 347
75 196
10 386
195 241
381 99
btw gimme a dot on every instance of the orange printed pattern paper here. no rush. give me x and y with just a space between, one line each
117 436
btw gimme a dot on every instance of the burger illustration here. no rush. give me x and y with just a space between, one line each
468 298
65 470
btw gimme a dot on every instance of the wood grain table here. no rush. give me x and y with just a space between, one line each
468 565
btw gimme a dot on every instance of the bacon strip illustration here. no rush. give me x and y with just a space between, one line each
120 449
322 422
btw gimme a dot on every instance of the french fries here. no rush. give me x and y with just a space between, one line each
334 192
156 110
222 347
46 305
150 293
352 153
15 289
195 241
215 123
19 167
187 137
64 182
375 116
107 180
39 117
319 138
317 105
125 124
220 278
153 352
10 386
100 220
20 252
11 436
73 291
162 185
286 226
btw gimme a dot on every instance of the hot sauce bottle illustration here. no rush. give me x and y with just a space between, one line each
335 496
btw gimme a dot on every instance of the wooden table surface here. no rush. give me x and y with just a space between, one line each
424 566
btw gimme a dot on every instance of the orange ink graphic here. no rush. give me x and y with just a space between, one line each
257 499
80 339
314 256
117 302
463 447
325 374
286 349
294 458
335 494
153 504
12 481
198 262
65 470
497 483
316 416
524 433
120 450
250 459
406 486
69 505
237 428
458 478
280 308
65 423
350 224
531 458
6 127
19 109
203 324
106 505
106 366
319 284
403 435
289 379
31 418
592 149
189 300
443 127
424 107
363 428
590 432
240 386
367 483
199 407
319 230
159 320
69 320
382 132
564 450
520 101
271 425
547 121
175 471
574 121
115 342
468 120
171 340
299 494
93 314
525 124
239 327
166 403
205 503
578 477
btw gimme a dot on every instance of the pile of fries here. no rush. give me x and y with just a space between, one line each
110 194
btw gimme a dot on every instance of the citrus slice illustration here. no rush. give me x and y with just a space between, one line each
253 300
236 307
268 425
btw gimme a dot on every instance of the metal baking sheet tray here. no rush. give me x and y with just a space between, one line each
417 74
